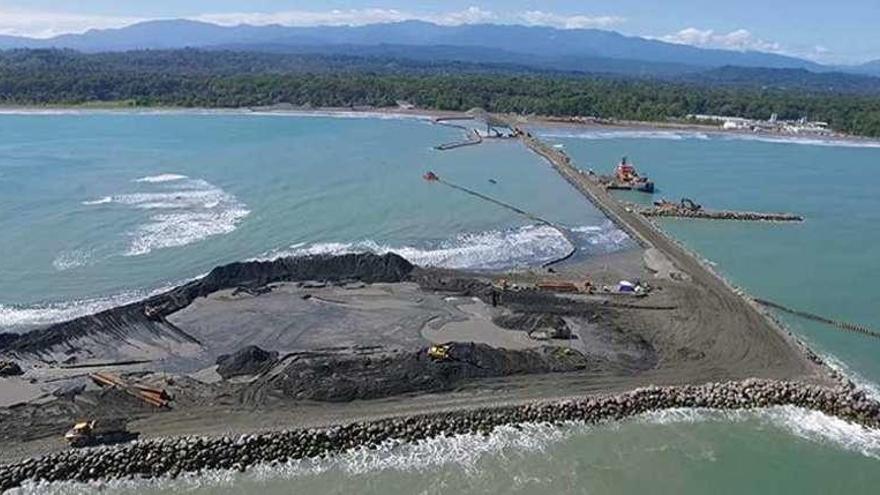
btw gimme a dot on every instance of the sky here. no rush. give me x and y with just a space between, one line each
842 32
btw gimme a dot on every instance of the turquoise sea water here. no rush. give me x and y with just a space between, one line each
79 230
99 209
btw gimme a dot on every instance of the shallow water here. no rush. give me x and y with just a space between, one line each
279 174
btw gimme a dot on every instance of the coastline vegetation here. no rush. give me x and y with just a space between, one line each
226 79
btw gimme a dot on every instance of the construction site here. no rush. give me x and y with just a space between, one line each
327 340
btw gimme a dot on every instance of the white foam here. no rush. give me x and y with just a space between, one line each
803 140
179 229
161 178
22 317
72 259
99 201
466 451
679 135
189 210
525 246
623 134
803 423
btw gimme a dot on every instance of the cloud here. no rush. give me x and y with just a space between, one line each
740 39
41 24
540 18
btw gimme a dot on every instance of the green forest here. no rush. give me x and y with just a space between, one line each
192 78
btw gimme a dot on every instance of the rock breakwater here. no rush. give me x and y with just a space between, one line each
172 456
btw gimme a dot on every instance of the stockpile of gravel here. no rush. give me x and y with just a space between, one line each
170 457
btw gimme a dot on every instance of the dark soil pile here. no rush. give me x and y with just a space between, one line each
350 376
148 316
554 325
250 360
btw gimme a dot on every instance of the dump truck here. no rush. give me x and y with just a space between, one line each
98 432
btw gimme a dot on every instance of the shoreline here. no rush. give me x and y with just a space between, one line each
171 457
842 401
544 121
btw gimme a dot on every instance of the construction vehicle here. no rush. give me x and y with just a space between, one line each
94 432
439 352
685 204
688 204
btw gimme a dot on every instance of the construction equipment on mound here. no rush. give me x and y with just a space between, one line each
154 396
94 432
686 204
439 352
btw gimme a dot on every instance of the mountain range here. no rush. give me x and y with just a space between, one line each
590 50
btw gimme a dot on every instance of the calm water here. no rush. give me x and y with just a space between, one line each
258 186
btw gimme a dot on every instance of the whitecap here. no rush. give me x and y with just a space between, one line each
184 211
99 201
182 228
803 423
804 140
524 246
22 317
622 134
72 259
154 179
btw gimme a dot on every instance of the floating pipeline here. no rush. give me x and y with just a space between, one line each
170 457
720 215
531 216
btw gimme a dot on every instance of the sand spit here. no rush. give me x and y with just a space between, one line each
171 457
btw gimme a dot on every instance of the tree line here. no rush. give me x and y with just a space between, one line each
219 79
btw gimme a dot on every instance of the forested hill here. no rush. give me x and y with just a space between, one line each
196 78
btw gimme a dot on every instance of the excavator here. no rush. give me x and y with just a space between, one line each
686 204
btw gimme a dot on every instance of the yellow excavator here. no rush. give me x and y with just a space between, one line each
439 352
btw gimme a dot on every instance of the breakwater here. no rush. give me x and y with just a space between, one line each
843 325
170 457
472 137
720 215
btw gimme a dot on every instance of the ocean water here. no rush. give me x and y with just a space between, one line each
826 265
95 207
98 209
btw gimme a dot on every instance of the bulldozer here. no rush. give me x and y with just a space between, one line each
439 352
93 432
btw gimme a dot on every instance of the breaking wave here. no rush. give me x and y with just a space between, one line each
72 259
680 135
25 317
161 178
525 246
189 210
624 134
467 451
803 423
